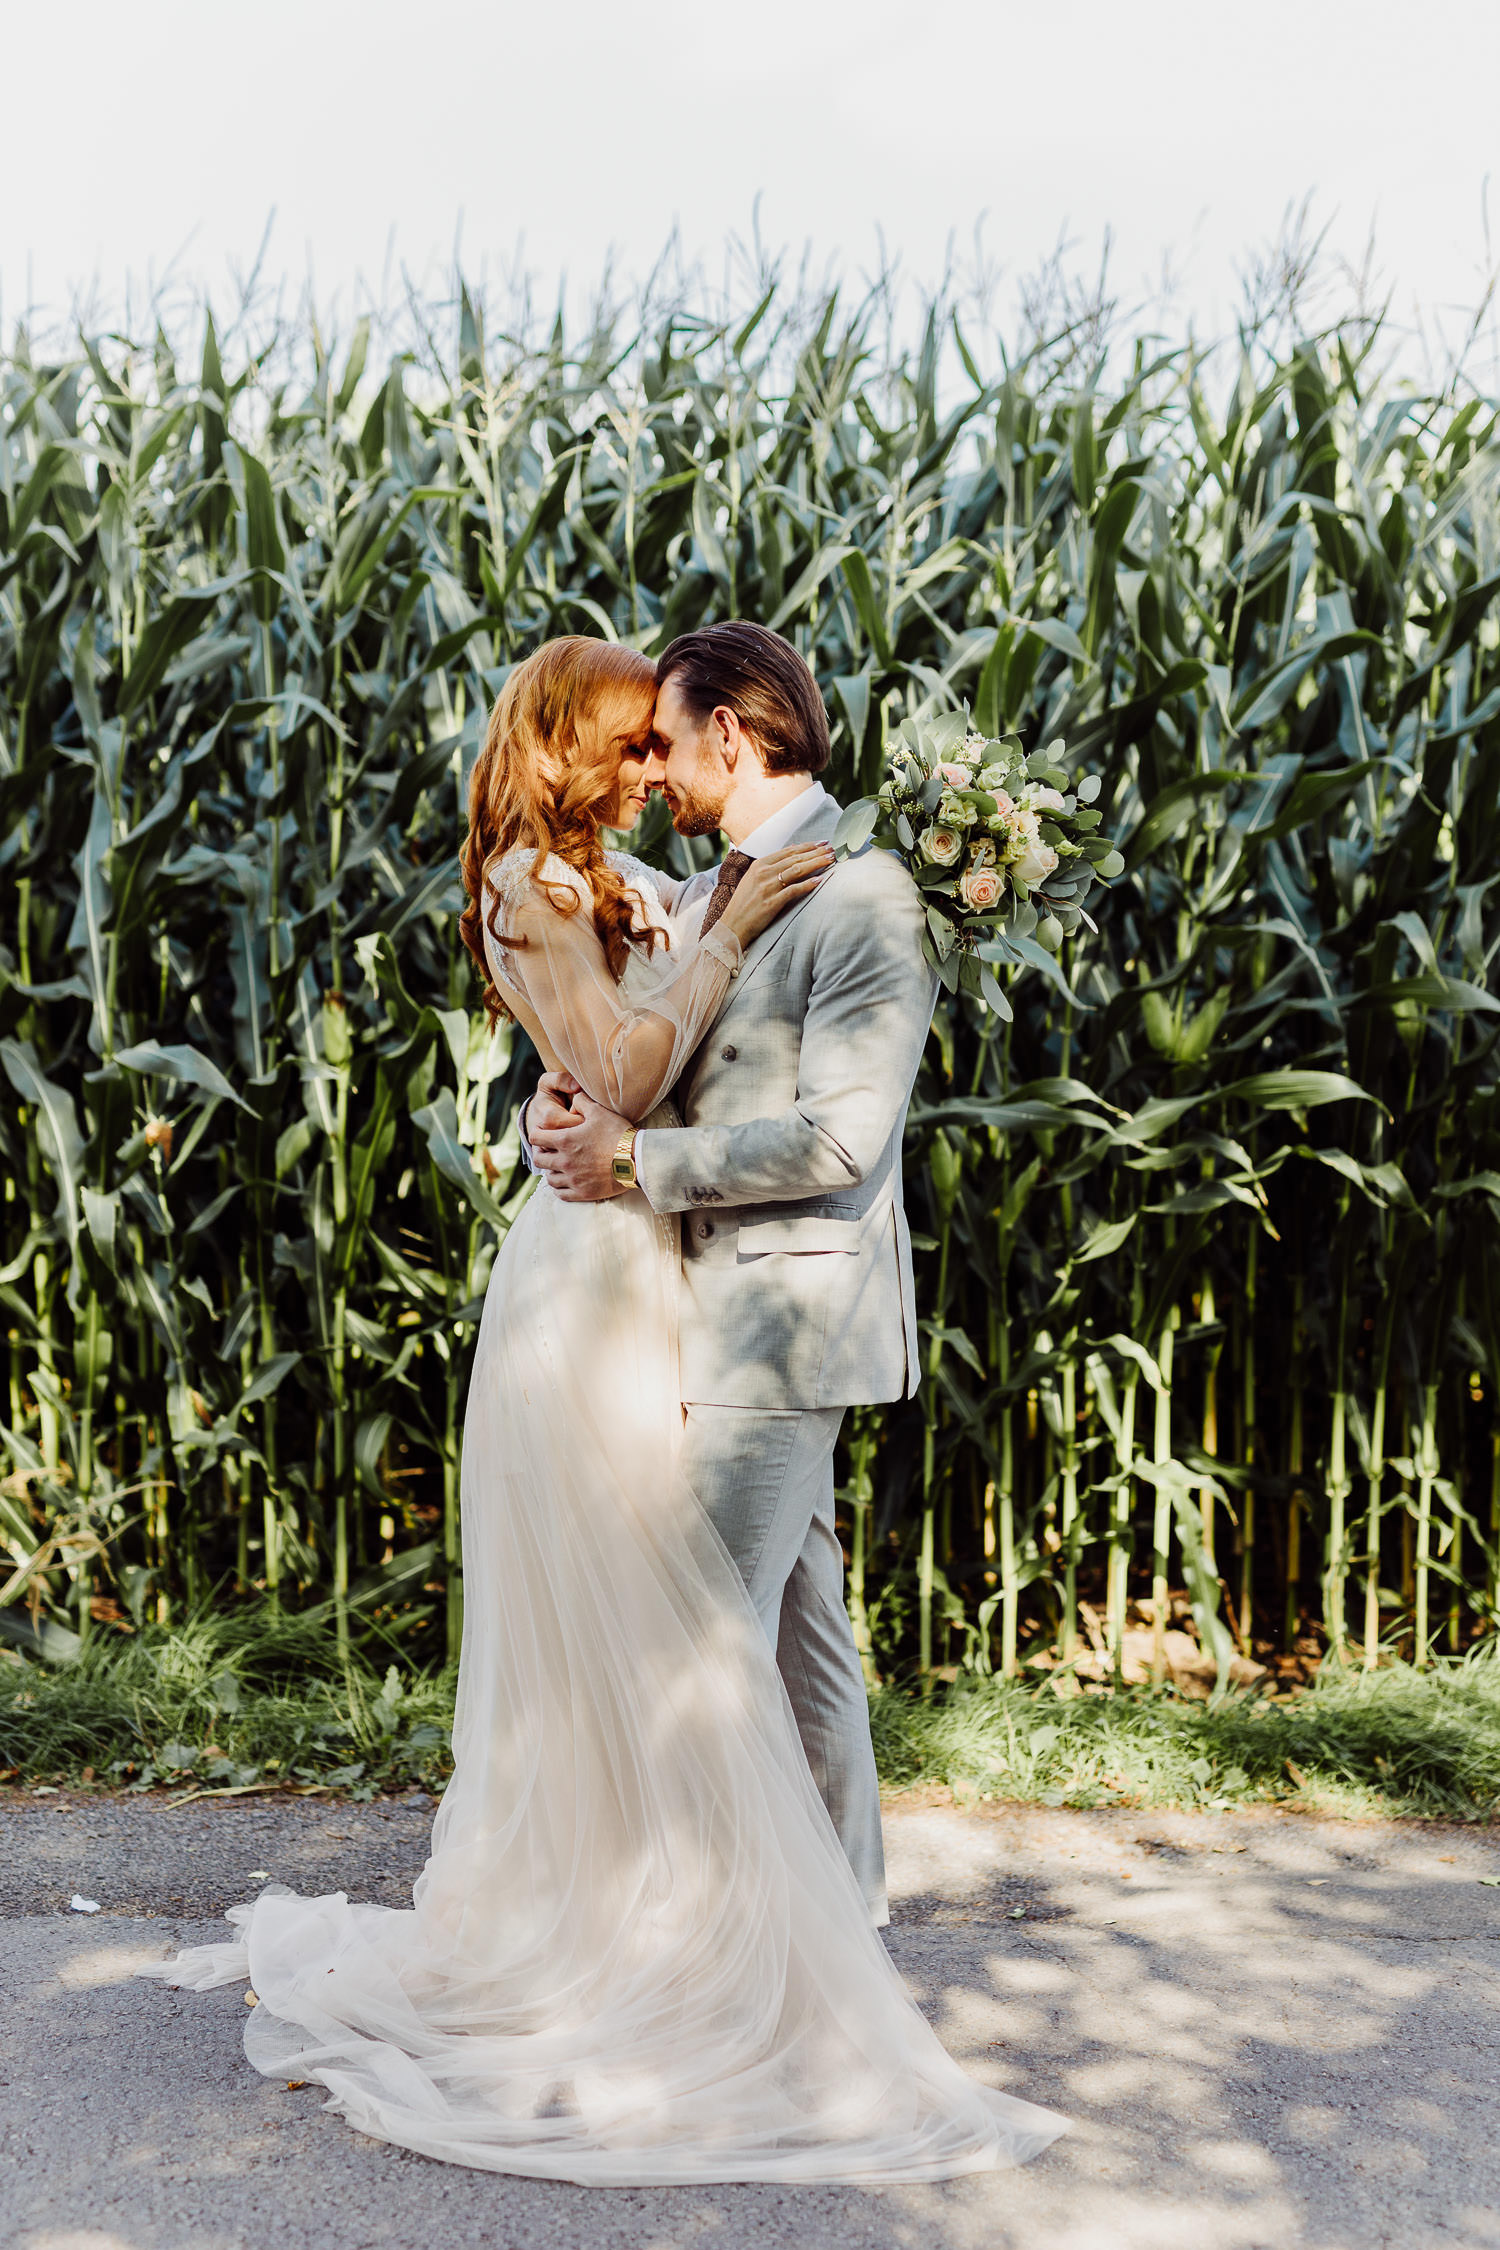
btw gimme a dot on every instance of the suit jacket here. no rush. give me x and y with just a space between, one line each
795 1250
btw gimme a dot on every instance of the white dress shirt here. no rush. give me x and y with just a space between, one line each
782 825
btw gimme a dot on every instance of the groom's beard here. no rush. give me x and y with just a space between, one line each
698 812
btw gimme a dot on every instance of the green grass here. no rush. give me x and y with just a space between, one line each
251 1701
226 1703
1394 1741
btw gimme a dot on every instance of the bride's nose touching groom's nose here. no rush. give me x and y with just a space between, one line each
656 764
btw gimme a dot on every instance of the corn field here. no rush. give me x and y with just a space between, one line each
1209 1263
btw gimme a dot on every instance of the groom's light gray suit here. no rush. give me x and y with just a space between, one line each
797 1264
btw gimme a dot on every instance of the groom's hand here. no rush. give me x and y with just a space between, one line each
576 1156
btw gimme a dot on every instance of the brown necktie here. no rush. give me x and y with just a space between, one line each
731 875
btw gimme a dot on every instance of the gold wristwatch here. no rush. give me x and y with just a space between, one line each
623 1165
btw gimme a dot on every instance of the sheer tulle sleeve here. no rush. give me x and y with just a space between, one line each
627 1052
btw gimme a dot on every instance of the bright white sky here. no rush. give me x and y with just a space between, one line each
159 137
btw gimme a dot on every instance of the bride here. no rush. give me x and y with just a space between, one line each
637 1954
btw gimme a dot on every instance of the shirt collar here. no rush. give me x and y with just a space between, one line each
783 824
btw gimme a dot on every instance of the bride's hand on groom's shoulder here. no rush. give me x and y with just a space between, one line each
771 884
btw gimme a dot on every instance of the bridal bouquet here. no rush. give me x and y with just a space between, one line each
1004 847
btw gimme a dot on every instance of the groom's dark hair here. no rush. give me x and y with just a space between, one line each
760 678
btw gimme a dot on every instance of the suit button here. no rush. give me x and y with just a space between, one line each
729 1053
704 1229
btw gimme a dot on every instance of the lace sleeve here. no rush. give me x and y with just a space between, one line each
648 879
626 1054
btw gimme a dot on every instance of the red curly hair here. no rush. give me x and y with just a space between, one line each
548 779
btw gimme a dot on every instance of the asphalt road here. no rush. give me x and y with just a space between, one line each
1273 2033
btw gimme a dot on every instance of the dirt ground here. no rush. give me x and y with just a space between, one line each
1272 2033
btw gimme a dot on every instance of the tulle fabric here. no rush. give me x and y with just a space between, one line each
637 1954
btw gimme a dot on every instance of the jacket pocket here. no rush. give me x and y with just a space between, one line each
798 1236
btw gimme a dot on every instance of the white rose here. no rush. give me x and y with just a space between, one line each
994 777
955 812
1035 864
1044 800
940 845
980 889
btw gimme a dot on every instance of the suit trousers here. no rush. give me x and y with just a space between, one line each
765 1477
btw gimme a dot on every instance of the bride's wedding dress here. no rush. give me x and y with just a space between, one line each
637 1953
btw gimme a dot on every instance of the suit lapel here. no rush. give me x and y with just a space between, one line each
817 828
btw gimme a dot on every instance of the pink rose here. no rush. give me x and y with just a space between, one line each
957 777
1004 806
980 889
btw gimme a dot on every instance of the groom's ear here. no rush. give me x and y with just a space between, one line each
726 734
733 739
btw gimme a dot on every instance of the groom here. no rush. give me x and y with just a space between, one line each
796 1259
